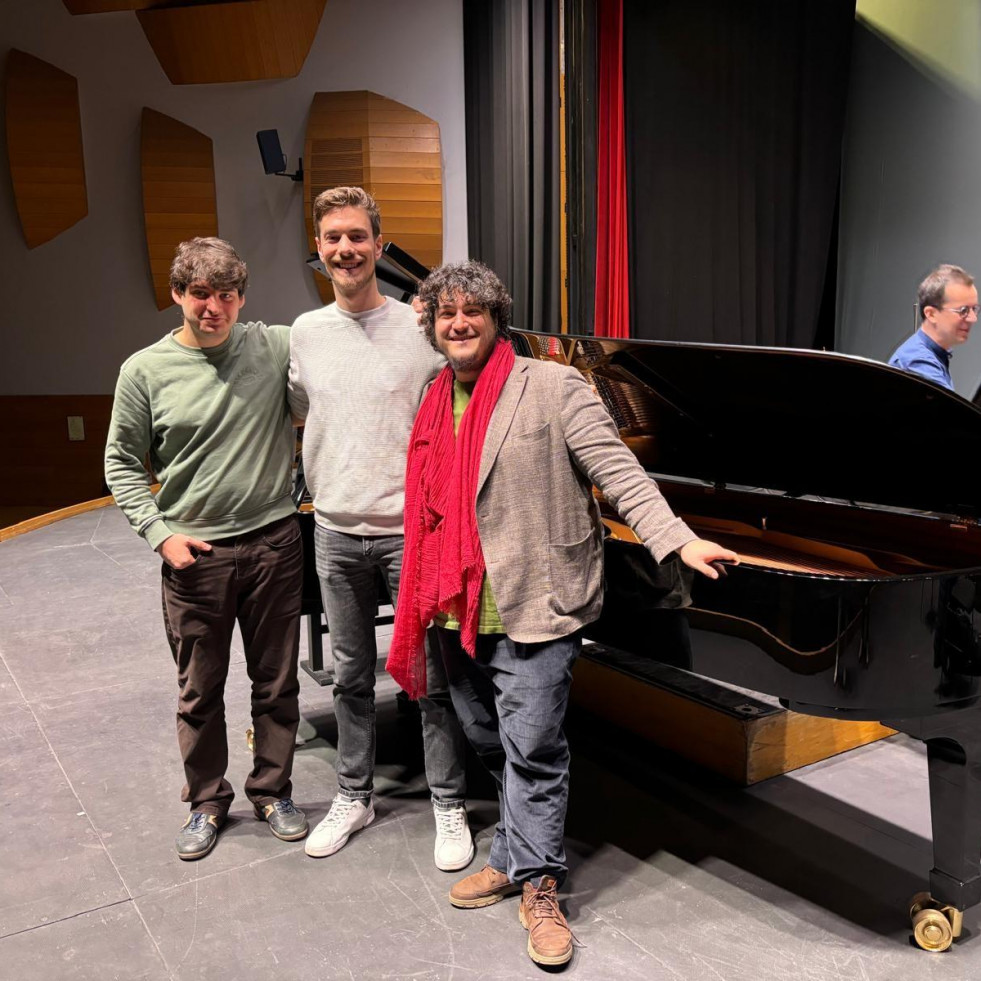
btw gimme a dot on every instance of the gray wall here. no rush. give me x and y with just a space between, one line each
75 307
911 197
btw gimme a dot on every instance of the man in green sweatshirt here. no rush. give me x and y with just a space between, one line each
207 402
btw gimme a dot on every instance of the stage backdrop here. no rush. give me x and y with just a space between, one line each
912 153
734 116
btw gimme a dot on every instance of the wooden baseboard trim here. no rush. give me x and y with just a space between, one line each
42 520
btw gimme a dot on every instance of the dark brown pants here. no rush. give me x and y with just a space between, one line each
254 578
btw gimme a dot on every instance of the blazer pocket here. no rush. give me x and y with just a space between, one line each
531 435
575 572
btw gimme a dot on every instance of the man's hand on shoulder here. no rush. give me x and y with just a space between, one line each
181 551
707 557
419 308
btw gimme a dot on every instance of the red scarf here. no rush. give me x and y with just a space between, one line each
443 565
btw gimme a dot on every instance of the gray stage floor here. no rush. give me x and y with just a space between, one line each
674 875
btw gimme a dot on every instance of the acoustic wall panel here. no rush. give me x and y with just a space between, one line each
178 192
391 150
262 39
44 147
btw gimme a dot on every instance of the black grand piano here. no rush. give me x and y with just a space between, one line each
848 488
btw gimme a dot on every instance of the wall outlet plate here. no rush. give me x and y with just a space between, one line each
76 428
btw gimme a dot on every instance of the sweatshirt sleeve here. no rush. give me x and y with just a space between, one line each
130 435
296 394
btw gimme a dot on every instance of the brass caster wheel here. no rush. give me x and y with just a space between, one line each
932 930
250 740
922 900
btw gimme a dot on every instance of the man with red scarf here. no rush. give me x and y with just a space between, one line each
509 581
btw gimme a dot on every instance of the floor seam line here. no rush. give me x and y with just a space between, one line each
98 525
211 875
65 919
104 688
106 554
85 811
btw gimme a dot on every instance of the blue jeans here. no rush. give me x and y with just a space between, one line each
348 566
511 700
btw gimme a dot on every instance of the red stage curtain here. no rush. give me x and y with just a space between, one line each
612 314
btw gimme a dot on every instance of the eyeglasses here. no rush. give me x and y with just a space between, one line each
962 312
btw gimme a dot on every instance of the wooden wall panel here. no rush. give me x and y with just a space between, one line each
392 151
44 147
41 466
271 39
178 192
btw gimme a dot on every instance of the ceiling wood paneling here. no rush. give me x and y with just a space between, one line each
238 41
107 6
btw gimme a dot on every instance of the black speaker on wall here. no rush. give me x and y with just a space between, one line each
273 158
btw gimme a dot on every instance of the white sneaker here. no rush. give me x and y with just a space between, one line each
344 818
454 845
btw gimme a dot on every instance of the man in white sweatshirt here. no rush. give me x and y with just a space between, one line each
358 370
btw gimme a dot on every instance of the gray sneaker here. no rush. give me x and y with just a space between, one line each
197 835
285 820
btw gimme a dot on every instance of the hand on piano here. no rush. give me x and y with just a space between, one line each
707 557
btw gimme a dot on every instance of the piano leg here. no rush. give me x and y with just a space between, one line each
954 757
955 810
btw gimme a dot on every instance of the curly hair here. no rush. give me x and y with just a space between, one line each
210 260
335 198
470 279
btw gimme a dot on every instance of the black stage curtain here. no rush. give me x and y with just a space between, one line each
511 53
734 117
580 121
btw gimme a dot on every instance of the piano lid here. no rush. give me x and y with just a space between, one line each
794 421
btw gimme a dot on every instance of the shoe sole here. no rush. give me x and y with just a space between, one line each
294 837
458 865
324 852
478 902
547 960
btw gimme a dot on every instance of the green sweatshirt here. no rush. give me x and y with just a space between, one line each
218 431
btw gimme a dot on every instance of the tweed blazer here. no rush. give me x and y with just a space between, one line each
550 438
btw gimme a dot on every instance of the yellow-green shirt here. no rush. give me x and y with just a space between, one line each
490 619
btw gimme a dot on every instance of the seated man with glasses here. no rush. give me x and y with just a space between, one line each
948 305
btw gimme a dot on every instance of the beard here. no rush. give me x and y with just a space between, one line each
466 363
471 361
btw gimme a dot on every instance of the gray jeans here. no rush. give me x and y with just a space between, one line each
511 699
348 566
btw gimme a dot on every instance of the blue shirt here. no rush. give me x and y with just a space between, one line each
922 355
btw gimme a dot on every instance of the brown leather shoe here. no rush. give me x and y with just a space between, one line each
549 936
483 888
